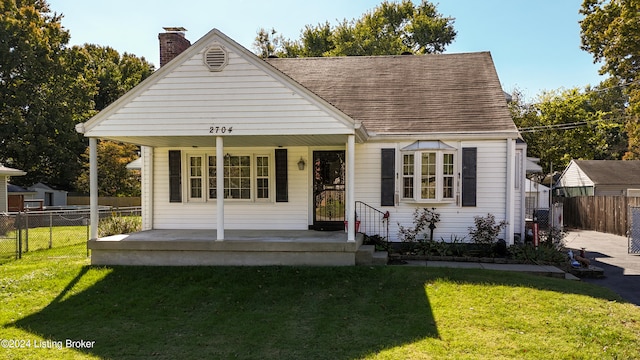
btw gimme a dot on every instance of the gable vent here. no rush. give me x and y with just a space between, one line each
215 58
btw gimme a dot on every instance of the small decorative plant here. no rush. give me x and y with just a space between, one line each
422 219
486 230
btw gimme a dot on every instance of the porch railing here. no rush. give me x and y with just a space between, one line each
373 223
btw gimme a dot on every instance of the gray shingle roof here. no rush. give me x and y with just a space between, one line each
408 93
611 172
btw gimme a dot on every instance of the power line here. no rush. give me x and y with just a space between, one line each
568 126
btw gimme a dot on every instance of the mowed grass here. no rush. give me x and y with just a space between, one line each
40 238
305 313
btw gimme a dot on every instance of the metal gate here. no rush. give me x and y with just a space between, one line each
634 230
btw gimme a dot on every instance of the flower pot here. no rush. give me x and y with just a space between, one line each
346 226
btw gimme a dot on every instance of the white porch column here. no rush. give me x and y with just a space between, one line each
220 187
93 188
351 183
146 171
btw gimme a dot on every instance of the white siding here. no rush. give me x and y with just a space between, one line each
573 176
190 99
291 215
296 213
454 219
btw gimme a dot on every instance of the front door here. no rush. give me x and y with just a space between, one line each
328 190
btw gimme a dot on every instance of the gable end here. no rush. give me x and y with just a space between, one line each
215 58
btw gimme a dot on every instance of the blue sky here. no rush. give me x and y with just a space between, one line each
535 45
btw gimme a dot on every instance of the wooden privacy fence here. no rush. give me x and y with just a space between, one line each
608 214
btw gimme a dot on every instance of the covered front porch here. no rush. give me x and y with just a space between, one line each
239 247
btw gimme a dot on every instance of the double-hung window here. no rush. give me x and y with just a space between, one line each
428 172
246 177
196 178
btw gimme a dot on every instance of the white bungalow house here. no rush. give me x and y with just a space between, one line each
252 161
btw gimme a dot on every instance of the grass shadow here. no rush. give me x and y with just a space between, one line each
231 312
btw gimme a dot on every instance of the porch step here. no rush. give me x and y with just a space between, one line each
367 255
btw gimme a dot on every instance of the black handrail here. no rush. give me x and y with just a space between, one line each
371 222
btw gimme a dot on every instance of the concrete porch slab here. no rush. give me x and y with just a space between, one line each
240 247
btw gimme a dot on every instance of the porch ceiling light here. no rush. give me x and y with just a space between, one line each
301 164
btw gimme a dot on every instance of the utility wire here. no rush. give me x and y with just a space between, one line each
567 126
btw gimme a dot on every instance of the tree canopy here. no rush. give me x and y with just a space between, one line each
392 28
46 88
115 178
573 124
40 99
610 31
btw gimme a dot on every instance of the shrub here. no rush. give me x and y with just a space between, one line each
541 255
486 230
380 242
422 219
553 238
454 247
119 225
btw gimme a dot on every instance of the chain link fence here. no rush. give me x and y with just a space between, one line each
634 230
8 238
64 231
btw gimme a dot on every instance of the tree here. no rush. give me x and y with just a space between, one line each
41 100
391 28
572 124
47 88
113 74
610 31
114 178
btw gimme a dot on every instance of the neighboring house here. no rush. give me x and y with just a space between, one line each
600 178
245 160
19 199
50 196
135 164
5 174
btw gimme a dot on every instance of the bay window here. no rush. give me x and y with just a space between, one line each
429 166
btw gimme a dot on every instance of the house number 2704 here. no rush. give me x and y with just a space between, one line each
220 129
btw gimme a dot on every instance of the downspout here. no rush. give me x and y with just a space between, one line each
510 190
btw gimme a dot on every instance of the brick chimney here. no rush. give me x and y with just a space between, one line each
172 43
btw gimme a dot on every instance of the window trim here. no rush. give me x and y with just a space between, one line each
206 177
418 150
202 177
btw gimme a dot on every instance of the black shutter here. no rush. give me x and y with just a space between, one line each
387 180
175 175
469 176
282 178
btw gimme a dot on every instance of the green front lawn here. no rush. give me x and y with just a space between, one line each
305 313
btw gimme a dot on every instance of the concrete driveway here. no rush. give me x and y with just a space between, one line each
610 252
